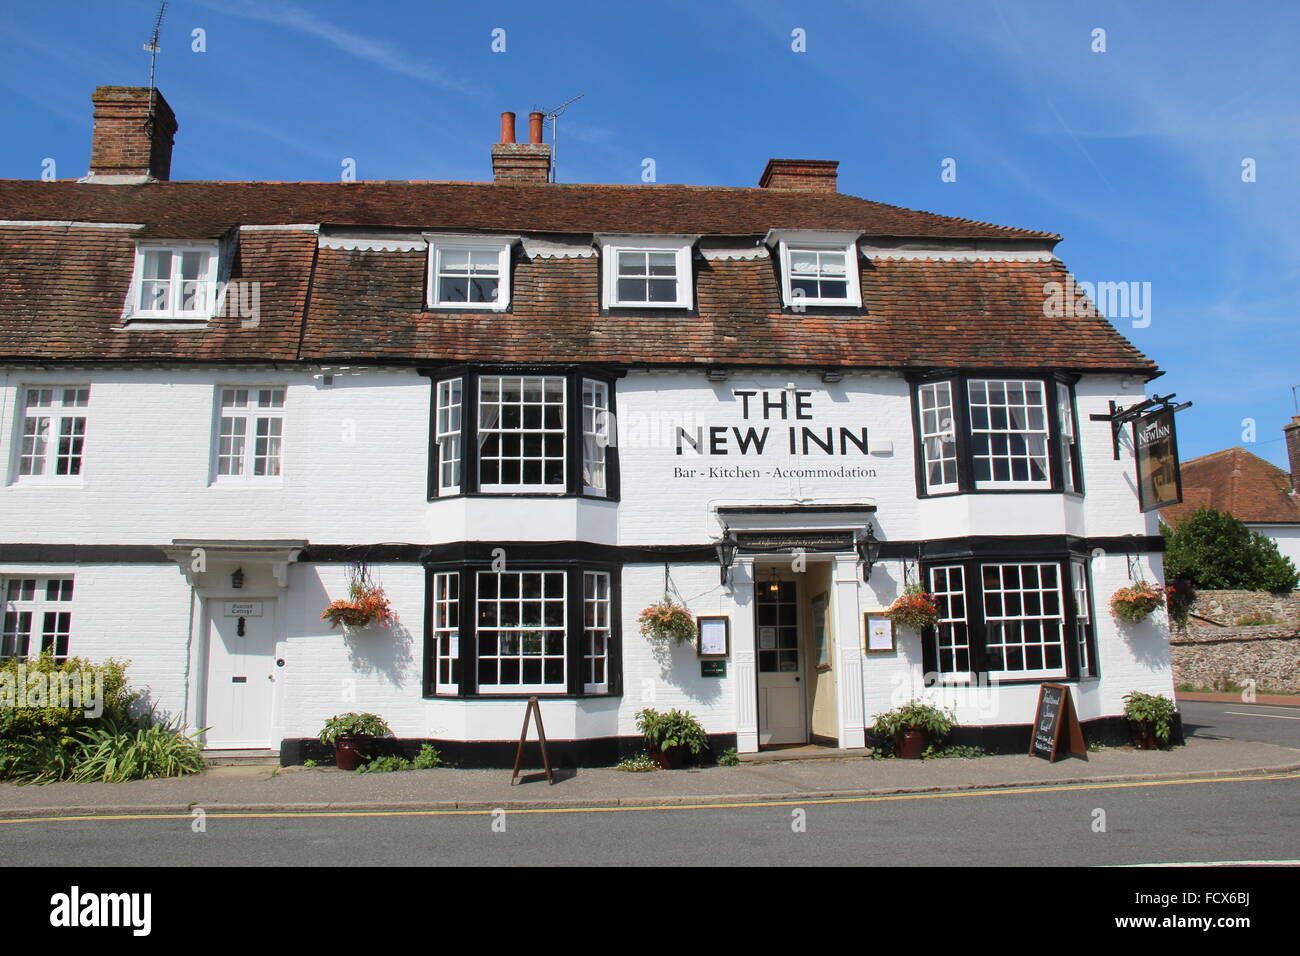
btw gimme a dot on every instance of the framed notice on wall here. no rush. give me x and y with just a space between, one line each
713 638
1160 480
879 631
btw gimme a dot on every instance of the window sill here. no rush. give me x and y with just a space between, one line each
544 695
164 323
465 307
43 481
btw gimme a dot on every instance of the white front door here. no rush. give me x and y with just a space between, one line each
241 673
782 710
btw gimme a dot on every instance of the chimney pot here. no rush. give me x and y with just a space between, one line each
507 127
535 127
528 162
809 175
132 140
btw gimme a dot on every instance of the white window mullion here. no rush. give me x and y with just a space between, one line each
250 432
52 442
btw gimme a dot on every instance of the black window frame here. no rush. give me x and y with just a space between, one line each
573 376
959 380
575 628
976 626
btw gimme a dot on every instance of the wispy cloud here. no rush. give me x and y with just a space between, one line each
370 49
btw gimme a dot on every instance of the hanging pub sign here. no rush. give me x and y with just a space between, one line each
1160 480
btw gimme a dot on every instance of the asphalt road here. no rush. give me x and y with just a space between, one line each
1230 819
1261 722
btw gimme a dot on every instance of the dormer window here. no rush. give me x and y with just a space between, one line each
469 272
651 272
818 268
174 281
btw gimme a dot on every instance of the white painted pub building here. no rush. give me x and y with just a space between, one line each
532 409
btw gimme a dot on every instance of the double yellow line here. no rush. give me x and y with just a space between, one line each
815 801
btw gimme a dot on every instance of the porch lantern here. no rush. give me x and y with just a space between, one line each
773 583
726 547
237 578
868 548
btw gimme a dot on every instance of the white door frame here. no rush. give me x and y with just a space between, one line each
210 599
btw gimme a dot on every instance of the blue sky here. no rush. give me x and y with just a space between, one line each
1133 154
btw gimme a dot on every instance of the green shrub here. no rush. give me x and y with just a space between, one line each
427 759
137 750
1151 710
729 758
1214 550
674 728
387 764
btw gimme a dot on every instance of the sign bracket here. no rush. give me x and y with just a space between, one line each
1120 416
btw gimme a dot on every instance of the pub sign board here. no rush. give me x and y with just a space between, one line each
1054 719
1160 480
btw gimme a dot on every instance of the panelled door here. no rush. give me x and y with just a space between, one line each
782 708
241 675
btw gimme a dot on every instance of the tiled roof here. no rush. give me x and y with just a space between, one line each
1244 485
62 288
196 210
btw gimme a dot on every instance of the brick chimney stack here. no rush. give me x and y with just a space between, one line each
1292 433
810 175
129 145
521 162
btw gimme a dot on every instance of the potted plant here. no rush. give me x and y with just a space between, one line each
667 621
349 734
912 726
1136 602
669 735
1150 718
915 608
366 603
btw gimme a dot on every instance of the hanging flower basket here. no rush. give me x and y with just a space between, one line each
914 608
666 621
366 603
1136 602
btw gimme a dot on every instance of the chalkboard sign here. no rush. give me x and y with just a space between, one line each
1053 719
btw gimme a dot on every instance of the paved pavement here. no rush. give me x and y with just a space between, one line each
270 789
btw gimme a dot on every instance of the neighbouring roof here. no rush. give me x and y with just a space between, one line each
1246 486
62 287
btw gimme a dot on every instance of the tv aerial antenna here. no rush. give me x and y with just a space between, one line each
153 49
553 116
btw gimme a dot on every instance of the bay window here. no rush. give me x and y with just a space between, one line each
543 628
1003 433
546 431
1010 620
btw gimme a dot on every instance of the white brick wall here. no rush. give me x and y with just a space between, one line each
355 472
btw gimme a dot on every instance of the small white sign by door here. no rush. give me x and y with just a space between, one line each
243 609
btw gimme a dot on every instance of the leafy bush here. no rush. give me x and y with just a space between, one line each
1151 710
137 750
674 728
40 743
353 725
427 759
1180 598
1214 550
729 758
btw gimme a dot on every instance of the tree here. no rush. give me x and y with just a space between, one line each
1214 550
